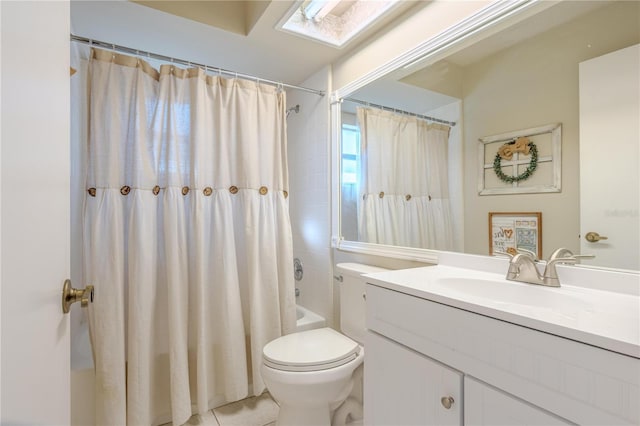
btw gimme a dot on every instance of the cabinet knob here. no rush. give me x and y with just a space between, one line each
447 401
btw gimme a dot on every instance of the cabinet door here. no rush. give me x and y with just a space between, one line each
403 387
486 405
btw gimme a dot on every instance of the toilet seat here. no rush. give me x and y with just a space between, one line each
311 350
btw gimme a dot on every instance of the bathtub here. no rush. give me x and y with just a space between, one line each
308 320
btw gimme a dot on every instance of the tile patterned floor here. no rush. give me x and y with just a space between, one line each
256 411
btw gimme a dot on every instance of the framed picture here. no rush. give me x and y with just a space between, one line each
509 232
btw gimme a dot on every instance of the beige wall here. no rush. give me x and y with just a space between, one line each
532 84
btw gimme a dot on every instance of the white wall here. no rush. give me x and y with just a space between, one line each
309 194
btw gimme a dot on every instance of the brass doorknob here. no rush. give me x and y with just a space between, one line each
594 237
447 401
72 295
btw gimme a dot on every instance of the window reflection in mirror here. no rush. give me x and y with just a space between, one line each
350 156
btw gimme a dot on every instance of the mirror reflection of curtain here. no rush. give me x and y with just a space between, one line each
404 197
187 238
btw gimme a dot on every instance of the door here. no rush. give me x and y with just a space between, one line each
34 230
609 158
404 387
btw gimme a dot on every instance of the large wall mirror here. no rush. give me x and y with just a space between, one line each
418 145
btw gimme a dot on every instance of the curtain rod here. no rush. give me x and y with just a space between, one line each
142 53
386 108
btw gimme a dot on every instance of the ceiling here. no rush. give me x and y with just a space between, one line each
235 35
238 16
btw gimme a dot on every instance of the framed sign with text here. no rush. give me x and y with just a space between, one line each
509 232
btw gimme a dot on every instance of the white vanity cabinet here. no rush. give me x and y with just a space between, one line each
406 388
419 351
403 387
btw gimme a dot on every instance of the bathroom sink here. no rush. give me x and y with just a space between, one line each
517 295
607 319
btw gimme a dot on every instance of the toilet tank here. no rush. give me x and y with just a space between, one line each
352 302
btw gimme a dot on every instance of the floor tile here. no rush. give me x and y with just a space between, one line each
207 419
257 411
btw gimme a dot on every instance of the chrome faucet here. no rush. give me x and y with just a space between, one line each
522 267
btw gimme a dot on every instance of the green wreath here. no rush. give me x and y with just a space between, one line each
533 164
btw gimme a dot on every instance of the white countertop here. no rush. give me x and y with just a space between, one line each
588 314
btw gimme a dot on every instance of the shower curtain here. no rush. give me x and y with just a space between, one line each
404 194
187 237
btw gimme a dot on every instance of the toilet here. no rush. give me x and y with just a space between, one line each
311 373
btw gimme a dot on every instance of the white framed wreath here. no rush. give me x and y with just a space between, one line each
508 162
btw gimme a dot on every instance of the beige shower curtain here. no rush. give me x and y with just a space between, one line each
187 237
404 189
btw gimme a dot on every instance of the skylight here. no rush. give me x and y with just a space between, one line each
333 22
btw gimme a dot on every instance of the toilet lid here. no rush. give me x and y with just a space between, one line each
310 350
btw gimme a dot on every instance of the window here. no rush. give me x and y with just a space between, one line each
350 154
334 22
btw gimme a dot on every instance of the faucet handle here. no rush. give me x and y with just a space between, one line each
529 253
560 252
525 252
584 256
570 260
563 255
550 272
